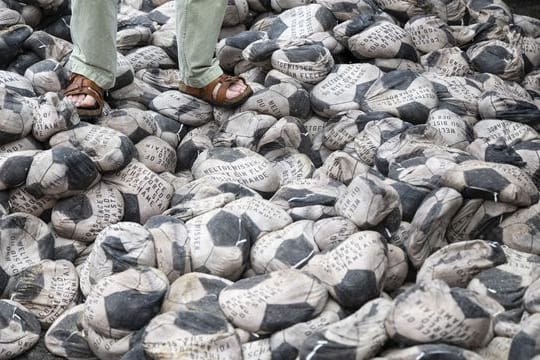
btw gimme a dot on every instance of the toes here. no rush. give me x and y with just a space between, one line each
239 86
82 100
236 89
76 99
88 101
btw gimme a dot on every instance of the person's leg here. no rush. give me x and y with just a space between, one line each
93 31
198 23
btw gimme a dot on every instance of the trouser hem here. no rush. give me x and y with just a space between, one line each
102 78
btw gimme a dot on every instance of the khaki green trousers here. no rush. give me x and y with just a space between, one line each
93 31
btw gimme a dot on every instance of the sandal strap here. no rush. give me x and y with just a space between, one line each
80 85
218 97
225 83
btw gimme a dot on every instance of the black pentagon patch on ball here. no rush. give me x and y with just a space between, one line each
440 89
483 183
497 256
492 59
305 53
361 89
470 309
13 222
356 288
503 286
440 352
325 17
27 319
415 112
12 42
251 282
136 351
411 197
7 137
237 189
202 269
46 246
408 52
358 23
156 221
242 40
432 215
4 279
263 50
211 285
321 348
24 61
432 58
76 208
128 150
398 79
277 28
281 316
523 347
179 257
295 252
227 154
503 154
251 227
74 344
534 224
200 323
66 252
284 351
121 307
131 208
208 303
305 197
299 104
82 171
114 250
188 107
390 224
521 111
527 145
226 229
14 170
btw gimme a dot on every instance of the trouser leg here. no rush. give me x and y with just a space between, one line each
93 31
198 25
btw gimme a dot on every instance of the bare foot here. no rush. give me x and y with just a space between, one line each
236 89
82 101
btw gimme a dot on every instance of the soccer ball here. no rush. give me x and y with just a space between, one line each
20 329
125 302
219 243
353 272
110 149
47 75
267 303
343 88
171 244
61 172
47 289
119 247
291 247
81 217
190 335
26 241
66 338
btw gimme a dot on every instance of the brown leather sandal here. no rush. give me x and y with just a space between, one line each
80 85
218 97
